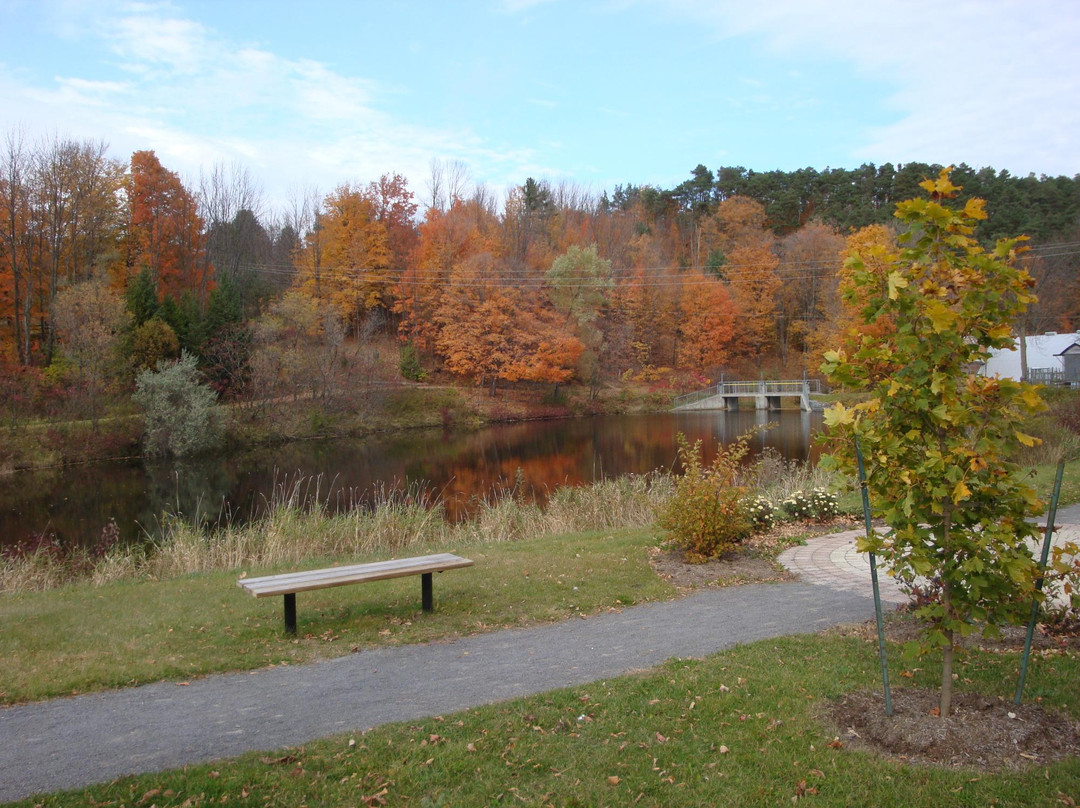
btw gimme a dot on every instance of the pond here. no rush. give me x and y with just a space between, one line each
76 504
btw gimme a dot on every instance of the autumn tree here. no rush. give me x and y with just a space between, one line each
446 240
150 343
741 250
165 230
491 332
394 206
478 318
90 318
708 323
346 259
939 437
297 348
59 224
579 283
810 259
842 302
16 239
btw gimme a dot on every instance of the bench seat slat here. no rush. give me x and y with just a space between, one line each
293 582
374 567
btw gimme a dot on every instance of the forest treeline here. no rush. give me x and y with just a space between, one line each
108 267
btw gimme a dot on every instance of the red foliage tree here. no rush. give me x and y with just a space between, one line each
165 230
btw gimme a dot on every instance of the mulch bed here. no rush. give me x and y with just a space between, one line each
751 562
991 734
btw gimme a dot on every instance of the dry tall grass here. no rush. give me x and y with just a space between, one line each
396 522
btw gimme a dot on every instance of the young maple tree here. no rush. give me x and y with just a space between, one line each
937 434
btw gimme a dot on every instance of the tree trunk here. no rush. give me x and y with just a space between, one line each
945 706
1022 339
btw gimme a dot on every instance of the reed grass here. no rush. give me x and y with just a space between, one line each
299 525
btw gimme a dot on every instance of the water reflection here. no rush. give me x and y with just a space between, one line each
77 503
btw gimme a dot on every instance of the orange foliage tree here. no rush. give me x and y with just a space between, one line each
707 324
490 332
165 230
740 249
346 257
875 245
395 208
446 239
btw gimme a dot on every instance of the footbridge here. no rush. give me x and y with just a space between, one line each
766 395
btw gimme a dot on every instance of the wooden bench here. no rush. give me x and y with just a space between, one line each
290 583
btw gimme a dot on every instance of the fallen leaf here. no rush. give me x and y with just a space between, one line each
613 780
269 761
375 799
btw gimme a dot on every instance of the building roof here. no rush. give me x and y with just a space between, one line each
1043 351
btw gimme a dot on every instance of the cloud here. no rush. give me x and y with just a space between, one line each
989 82
197 99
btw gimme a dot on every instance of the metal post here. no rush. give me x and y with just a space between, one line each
426 596
1050 517
290 612
874 581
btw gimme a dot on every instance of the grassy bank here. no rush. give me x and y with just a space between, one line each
743 728
84 637
70 438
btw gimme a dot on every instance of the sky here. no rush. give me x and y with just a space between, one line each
595 93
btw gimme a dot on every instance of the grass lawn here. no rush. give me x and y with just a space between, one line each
743 727
80 637
740 728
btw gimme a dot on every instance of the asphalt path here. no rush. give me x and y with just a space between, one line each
73 742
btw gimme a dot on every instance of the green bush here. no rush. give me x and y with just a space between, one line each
179 411
410 366
706 514
818 504
761 513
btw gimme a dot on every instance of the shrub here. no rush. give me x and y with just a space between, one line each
797 506
706 515
818 504
761 513
823 504
180 412
410 366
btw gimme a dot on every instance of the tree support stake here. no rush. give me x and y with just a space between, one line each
1050 517
874 580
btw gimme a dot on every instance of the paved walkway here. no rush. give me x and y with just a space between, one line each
833 561
69 743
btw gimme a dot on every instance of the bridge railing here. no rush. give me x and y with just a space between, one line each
699 395
794 387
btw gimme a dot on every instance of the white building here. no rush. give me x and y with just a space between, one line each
1045 362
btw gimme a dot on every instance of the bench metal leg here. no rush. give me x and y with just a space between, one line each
290 612
426 596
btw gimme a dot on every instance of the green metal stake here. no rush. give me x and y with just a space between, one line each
874 580
1050 517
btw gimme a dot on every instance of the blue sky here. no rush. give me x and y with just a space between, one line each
592 92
